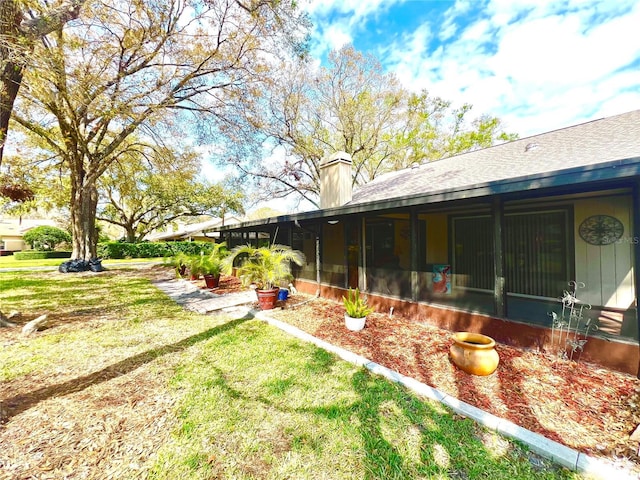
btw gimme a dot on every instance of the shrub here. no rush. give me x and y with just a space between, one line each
151 249
39 255
45 238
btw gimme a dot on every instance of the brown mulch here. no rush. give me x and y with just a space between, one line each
583 406
228 284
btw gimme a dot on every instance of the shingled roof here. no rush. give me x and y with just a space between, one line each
596 143
600 150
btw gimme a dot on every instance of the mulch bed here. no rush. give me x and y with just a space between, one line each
583 406
228 284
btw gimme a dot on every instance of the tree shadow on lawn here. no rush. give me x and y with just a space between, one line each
448 444
13 406
402 436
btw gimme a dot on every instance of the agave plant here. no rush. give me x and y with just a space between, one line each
266 267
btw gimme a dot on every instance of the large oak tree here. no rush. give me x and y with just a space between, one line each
22 24
149 188
130 66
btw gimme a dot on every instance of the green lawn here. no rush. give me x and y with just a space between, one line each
248 401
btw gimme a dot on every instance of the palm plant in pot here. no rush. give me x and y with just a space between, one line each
195 266
356 310
265 267
180 261
211 265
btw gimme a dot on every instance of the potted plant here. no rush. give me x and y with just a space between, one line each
179 261
356 310
265 267
195 265
211 265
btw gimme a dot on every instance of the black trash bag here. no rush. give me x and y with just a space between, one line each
95 265
73 266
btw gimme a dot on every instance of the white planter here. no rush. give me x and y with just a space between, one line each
354 324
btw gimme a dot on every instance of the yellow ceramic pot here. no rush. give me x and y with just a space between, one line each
474 353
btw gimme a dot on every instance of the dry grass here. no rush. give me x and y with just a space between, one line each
88 397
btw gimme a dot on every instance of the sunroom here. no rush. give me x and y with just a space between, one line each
487 241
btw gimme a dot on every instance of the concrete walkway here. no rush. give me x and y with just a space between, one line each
203 301
194 299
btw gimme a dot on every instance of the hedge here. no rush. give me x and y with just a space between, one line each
39 255
151 249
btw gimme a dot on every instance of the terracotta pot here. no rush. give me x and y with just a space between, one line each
212 281
474 353
267 298
354 324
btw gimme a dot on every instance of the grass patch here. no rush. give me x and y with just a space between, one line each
246 400
94 317
257 404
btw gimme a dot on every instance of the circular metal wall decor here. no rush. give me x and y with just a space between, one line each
601 230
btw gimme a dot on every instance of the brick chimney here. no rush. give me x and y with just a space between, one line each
335 180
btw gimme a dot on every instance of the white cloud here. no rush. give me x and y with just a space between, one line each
336 36
337 22
534 65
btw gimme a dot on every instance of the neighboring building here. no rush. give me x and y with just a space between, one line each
203 231
487 241
13 229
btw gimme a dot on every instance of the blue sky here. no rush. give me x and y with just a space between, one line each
538 65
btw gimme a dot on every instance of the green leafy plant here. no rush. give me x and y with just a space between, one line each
212 264
45 238
202 263
355 305
179 261
266 267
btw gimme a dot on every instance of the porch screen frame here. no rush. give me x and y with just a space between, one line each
569 246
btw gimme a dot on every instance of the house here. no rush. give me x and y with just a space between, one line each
487 241
13 229
202 231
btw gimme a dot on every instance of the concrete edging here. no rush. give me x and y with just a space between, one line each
560 454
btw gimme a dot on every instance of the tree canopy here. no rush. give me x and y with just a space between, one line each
23 23
139 69
144 193
350 105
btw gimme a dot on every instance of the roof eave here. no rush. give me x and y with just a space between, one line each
625 168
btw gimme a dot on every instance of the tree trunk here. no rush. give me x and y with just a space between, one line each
10 71
130 234
10 79
84 201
